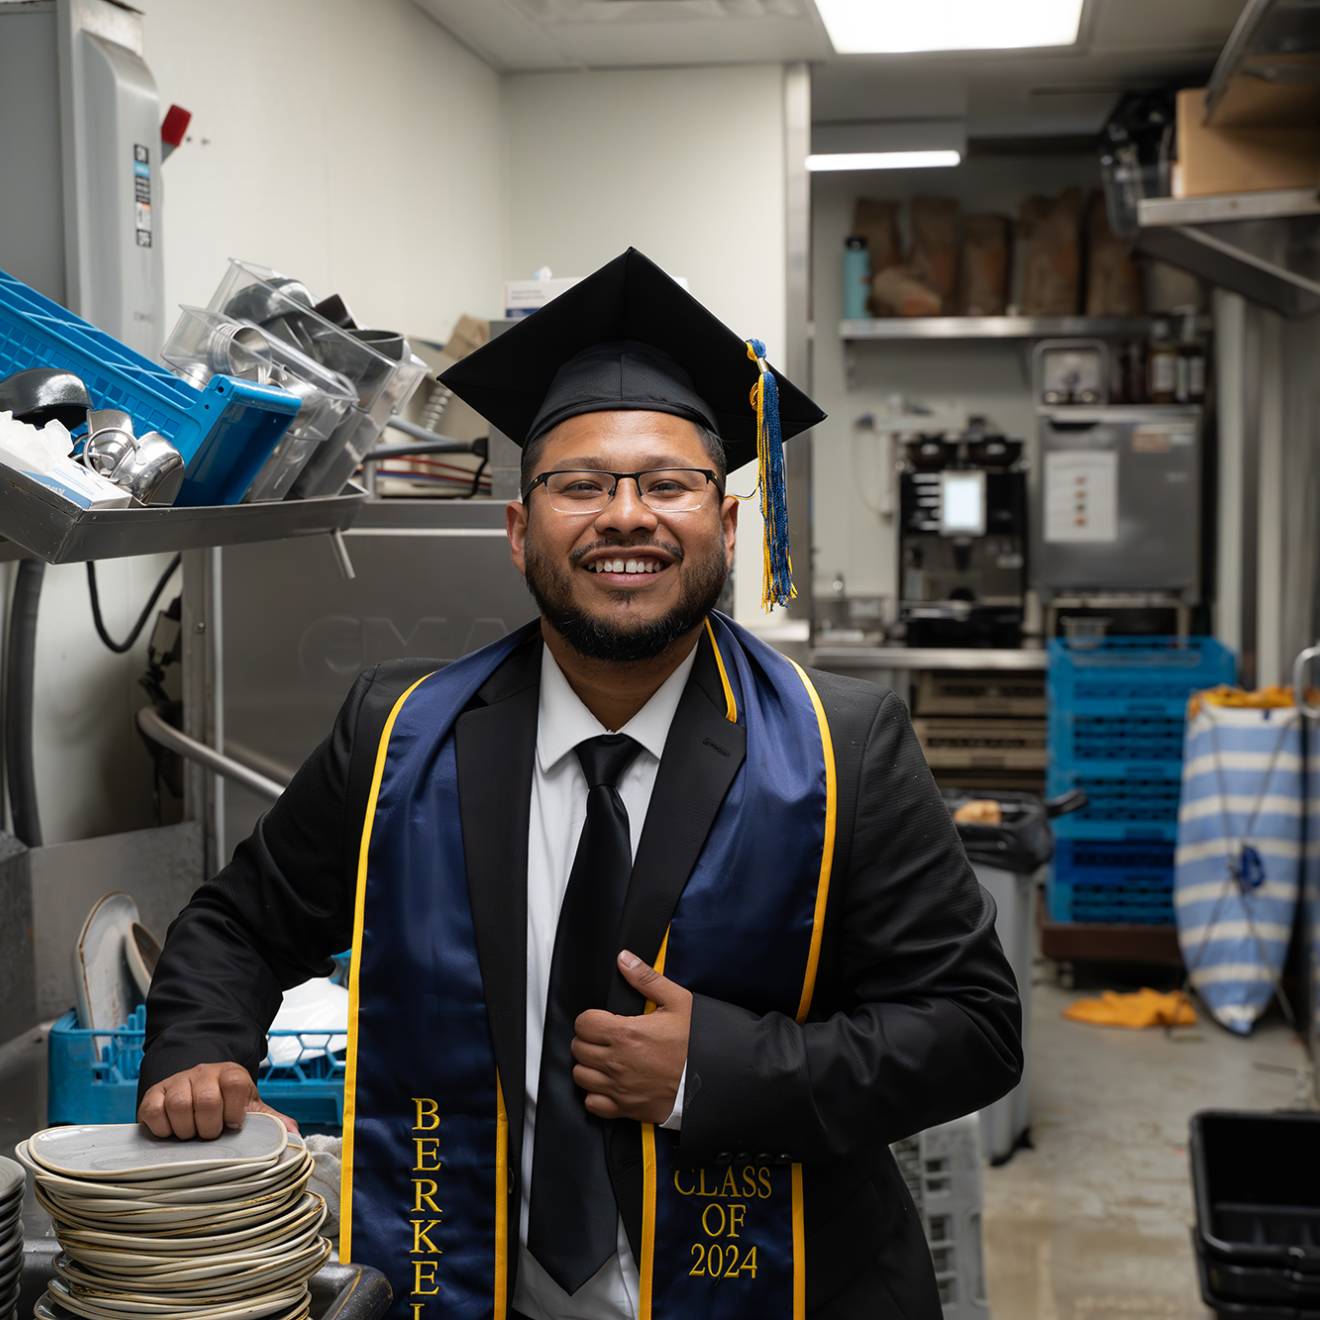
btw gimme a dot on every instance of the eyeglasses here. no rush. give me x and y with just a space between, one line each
662 490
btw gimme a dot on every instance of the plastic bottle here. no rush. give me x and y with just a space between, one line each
856 277
1161 366
1190 386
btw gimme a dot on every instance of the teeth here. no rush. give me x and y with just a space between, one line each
626 566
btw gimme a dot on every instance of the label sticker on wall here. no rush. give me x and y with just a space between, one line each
142 216
1081 496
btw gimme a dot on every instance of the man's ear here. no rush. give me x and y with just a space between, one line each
729 519
515 528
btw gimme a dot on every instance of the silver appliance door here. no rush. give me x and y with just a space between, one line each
1118 503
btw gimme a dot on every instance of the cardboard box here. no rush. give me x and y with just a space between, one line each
1215 160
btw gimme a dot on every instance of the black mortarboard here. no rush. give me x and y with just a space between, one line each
629 337
587 351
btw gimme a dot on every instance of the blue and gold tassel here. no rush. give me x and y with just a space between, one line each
777 575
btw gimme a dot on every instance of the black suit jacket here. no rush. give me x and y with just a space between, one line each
916 1017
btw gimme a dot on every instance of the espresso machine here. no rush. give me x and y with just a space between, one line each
963 538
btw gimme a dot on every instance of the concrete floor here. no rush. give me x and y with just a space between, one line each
1093 1223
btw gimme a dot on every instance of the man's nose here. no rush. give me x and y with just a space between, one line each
626 512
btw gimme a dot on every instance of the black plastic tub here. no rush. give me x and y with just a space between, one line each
1256 1179
1230 1307
339 1292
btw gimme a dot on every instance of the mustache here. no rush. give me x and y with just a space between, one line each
651 543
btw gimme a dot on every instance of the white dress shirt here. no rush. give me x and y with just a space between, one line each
558 812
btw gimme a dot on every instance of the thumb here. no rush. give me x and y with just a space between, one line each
644 978
261 1107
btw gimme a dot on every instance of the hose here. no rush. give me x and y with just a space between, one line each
19 702
119 648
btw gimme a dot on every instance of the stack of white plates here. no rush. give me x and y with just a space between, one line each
205 1230
13 1182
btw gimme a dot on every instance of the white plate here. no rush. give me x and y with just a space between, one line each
102 982
115 1261
143 1304
113 1152
307 1215
174 1220
108 1207
295 1165
48 1308
13 1180
216 1280
142 950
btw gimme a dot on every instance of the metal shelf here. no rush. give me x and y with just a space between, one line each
1265 245
1269 69
36 523
994 327
843 658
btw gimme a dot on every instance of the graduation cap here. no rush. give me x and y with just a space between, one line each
629 337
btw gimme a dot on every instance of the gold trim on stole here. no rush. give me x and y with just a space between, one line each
501 1203
354 972
813 963
730 705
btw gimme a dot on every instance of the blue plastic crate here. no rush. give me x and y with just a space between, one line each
93 1076
1134 803
1077 739
1134 672
1111 880
1081 903
224 432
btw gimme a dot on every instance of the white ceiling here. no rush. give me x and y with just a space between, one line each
1125 44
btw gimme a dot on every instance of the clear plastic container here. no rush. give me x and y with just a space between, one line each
381 366
204 343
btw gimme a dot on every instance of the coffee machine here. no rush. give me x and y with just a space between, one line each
963 538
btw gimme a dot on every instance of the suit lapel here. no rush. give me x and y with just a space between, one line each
495 745
703 753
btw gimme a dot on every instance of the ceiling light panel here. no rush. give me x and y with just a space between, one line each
901 27
883 160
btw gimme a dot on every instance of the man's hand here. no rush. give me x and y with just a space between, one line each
203 1101
630 1067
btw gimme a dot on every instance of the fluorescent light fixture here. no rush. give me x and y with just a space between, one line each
883 160
897 27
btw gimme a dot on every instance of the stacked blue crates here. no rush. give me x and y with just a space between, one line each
1117 711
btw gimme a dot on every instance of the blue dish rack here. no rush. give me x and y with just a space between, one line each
224 432
1117 715
93 1076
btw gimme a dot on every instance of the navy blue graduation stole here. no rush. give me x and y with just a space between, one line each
425 1163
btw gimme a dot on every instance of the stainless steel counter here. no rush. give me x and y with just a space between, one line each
844 658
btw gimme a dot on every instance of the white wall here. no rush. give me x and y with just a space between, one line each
982 377
686 165
353 144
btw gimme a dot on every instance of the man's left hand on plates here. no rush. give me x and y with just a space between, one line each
630 1067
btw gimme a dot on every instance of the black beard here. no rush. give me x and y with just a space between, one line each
598 639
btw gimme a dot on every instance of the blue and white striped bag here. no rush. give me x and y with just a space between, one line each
1239 855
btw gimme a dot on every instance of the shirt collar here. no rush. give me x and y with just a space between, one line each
563 721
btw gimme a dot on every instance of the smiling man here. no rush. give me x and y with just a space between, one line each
659 940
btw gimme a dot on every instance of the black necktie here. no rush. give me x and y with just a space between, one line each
573 1227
